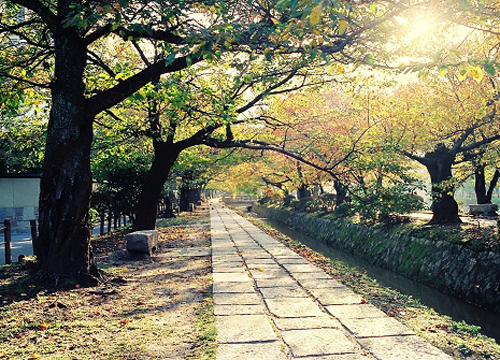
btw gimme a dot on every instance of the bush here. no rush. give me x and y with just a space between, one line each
264 200
305 203
385 203
288 199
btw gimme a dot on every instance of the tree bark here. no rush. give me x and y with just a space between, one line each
480 185
63 247
147 207
444 207
341 191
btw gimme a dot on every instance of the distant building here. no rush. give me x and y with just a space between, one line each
19 200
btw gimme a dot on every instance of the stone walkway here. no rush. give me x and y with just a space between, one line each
272 304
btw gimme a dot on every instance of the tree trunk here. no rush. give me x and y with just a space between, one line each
189 196
147 206
444 207
480 185
63 247
341 191
303 191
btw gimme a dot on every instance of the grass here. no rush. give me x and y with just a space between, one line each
205 347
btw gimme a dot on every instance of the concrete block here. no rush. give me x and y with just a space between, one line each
483 209
293 308
142 241
318 342
402 348
243 328
253 351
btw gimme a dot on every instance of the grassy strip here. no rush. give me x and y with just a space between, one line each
457 339
205 346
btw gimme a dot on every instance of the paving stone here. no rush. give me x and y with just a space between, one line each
276 282
282 252
403 348
293 307
316 342
268 274
302 268
264 267
229 268
318 274
237 298
282 292
230 277
364 355
373 327
318 322
243 328
320 283
235 309
357 311
336 296
295 259
233 287
253 351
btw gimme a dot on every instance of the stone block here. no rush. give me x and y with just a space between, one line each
402 348
251 351
142 241
483 209
318 342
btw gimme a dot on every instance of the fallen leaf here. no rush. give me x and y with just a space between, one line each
203 291
35 356
44 325
3 354
123 322
363 301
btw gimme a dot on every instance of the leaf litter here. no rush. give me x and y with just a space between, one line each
156 307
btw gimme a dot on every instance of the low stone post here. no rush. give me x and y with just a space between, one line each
7 233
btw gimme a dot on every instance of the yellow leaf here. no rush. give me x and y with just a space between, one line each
462 74
477 73
261 269
343 24
275 21
315 16
44 325
35 356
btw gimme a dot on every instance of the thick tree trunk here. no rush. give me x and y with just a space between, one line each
189 196
63 247
303 191
444 206
147 206
483 196
480 185
341 191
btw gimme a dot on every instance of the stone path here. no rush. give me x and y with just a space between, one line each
271 304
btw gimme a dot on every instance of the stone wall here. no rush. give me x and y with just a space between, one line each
454 269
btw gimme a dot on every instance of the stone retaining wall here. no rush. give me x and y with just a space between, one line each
454 269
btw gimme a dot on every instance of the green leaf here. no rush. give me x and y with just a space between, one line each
343 25
370 59
315 16
443 71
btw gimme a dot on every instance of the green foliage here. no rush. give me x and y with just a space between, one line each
22 143
464 328
383 202
264 200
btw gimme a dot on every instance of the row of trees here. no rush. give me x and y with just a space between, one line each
172 76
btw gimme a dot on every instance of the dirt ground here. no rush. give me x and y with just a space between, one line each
157 307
